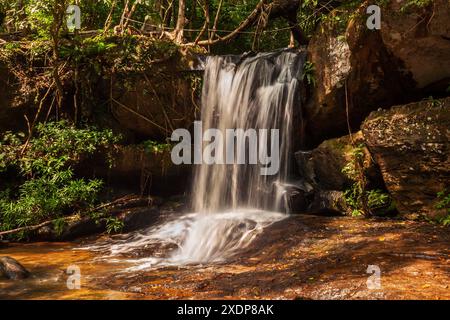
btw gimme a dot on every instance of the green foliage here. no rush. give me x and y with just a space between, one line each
37 16
156 147
360 200
351 169
352 198
444 203
339 18
44 186
59 225
434 102
308 73
114 225
414 4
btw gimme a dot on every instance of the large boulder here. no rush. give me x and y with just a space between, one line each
411 145
323 166
322 169
12 269
358 70
134 212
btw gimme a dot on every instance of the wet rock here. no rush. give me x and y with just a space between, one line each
138 218
295 199
142 101
328 202
12 269
411 145
81 228
134 212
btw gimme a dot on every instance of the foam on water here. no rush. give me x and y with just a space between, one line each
233 203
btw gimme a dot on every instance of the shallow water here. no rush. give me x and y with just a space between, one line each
194 238
298 257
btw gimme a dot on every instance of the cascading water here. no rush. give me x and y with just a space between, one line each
257 92
233 203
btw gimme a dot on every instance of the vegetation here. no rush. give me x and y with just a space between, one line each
40 172
114 225
360 199
156 147
444 203
252 24
308 74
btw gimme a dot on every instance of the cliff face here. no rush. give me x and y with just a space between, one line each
363 70
139 86
358 71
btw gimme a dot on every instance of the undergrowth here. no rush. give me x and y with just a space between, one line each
359 198
38 179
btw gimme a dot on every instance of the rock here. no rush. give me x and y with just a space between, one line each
138 218
81 228
411 145
328 202
322 167
359 70
134 212
14 101
138 170
12 269
144 107
295 199
419 37
72 229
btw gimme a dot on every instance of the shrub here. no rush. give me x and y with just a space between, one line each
42 184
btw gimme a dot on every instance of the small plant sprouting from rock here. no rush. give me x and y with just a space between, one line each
114 225
356 195
308 73
358 198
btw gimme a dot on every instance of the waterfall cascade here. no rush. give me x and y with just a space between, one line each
232 203
257 92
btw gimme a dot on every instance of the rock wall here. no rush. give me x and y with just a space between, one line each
358 70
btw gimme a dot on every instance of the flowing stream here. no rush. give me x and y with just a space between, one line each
232 203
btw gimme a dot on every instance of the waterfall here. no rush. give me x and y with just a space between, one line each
247 92
232 203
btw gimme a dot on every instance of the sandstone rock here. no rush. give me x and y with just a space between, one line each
154 107
329 201
322 167
12 269
138 170
135 214
14 103
420 37
359 70
411 145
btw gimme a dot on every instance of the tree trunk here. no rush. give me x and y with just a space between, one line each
179 29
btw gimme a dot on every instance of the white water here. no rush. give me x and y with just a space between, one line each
232 203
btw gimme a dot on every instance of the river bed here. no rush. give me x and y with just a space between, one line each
301 257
